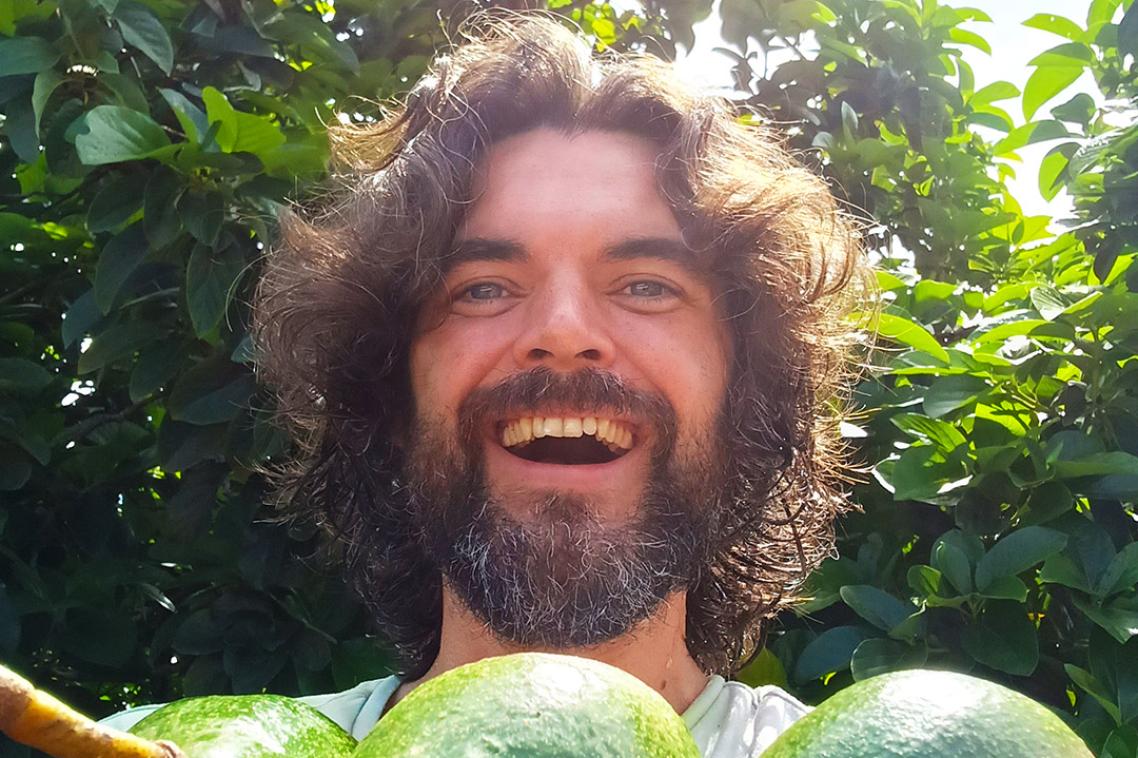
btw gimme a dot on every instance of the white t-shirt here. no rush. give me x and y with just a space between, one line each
727 719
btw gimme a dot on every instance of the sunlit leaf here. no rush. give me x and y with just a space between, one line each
1051 22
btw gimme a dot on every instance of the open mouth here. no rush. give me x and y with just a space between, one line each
567 440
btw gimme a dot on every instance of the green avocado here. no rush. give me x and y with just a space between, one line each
246 726
928 714
531 705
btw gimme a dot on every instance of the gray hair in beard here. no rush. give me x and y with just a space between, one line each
562 578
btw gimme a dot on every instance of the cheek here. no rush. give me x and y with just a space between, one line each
450 361
687 361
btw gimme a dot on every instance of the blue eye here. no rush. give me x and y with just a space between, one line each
649 289
484 291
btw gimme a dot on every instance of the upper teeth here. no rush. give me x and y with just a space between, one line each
526 429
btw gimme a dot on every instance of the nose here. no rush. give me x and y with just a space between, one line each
565 330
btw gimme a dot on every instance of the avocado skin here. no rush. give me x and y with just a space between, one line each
246 726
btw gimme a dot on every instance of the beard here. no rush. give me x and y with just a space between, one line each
560 577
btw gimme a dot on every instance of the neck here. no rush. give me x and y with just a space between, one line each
654 651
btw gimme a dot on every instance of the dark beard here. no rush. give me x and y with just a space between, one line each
562 579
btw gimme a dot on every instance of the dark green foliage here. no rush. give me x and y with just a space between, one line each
147 146
999 425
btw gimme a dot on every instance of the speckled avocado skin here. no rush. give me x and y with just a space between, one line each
928 714
531 705
246 726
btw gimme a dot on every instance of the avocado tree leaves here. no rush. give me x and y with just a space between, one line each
115 133
998 418
26 55
141 29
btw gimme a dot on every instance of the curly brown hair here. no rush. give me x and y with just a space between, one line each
337 305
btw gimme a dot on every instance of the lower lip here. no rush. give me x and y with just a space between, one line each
586 476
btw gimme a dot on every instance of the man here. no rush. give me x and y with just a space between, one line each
560 360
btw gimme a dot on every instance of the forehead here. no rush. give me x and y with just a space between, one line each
547 187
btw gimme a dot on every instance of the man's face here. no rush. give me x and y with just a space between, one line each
569 383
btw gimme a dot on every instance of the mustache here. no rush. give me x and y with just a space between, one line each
542 389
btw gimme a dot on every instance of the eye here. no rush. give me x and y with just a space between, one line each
482 292
649 289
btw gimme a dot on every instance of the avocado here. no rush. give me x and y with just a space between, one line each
246 726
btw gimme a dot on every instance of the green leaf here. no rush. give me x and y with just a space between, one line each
1030 134
1064 27
922 473
1053 168
1101 12
876 606
1067 54
940 433
45 84
1121 743
1045 83
926 581
202 214
116 202
1046 502
1117 617
117 134
19 127
1005 588
120 341
80 317
193 122
160 213
14 474
142 30
824 584
829 651
238 131
965 37
1002 332
907 332
993 93
155 367
1061 569
1080 109
1003 639
208 394
21 375
26 55
1017 552
764 669
210 277
1115 665
1094 688
1048 301
1120 575
1128 33
880 656
949 393
117 261
954 555
1098 464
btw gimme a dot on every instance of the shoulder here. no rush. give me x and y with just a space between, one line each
735 719
356 710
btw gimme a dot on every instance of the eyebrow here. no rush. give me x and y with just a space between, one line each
664 248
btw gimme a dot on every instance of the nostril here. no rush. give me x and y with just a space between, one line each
590 354
539 354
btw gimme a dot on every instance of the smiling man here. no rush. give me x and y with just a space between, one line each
560 358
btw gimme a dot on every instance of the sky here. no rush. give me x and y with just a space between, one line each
1013 45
